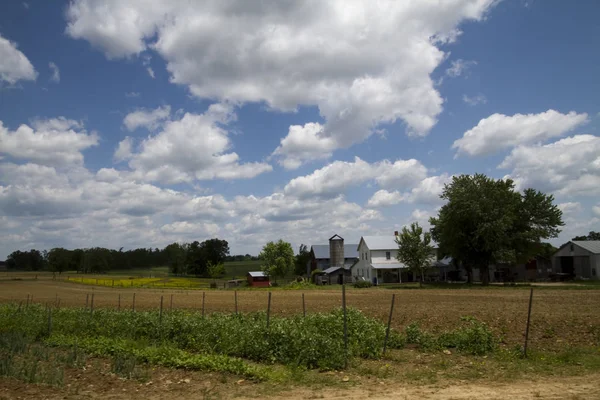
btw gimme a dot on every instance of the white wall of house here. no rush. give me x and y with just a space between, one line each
366 257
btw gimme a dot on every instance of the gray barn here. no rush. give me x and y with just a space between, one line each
580 259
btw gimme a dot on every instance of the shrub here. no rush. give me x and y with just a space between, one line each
474 337
314 274
213 285
362 284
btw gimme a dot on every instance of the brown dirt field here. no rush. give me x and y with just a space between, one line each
93 383
560 318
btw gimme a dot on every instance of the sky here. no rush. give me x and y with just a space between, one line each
147 122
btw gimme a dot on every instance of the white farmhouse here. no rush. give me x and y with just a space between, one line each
377 261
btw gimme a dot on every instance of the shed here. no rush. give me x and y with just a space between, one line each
578 259
258 279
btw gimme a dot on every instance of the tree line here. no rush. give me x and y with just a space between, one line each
182 258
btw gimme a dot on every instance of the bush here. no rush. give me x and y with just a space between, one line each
213 285
314 274
362 284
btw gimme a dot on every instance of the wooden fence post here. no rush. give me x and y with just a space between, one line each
528 321
236 304
92 305
268 310
161 308
87 299
49 321
303 306
133 304
387 332
119 306
345 326
171 304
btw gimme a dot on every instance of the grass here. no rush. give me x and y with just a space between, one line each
131 282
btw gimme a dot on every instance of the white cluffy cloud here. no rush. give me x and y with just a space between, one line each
427 191
335 178
149 119
569 167
194 147
474 100
55 72
361 65
499 131
124 150
57 141
14 65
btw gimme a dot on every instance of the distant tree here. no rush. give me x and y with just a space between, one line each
278 259
32 260
96 260
486 221
176 256
59 260
590 236
301 260
415 250
216 270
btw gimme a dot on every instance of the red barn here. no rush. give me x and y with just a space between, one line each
258 279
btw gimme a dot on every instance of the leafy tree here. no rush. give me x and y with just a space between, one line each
415 250
301 260
216 270
486 221
591 236
200 254
176 256
32 260
278 258
59 260
96 260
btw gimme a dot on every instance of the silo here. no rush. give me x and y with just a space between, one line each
336 251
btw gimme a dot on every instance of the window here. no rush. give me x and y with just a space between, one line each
388 255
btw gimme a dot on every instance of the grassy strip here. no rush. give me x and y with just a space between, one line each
163 355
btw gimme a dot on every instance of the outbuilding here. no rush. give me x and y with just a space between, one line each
258 279
579 259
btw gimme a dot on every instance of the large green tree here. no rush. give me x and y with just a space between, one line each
278 259
415 250
176 258
590 236
59 260
301 260
485 221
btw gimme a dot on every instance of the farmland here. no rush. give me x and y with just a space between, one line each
564 337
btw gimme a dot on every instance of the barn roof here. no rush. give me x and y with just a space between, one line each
256 274
331 270
593 246
381 242
322 250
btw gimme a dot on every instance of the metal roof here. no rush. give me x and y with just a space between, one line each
444 262
256 274
381 242
322 251
331 270
395 265
593 246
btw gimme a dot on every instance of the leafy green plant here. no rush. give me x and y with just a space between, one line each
362 284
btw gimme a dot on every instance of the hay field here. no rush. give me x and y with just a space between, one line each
560 318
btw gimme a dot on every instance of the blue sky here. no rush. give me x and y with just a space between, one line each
252 122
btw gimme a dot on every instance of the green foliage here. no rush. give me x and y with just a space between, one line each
362 284
176 256
414 249
590 236
32 260
301 261
486 220
314 274
215 270
278 259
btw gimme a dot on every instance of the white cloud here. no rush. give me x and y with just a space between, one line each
304 143
360 65
571 207
570 166
147 119
132 94
596 209
14 65
194 147
427 191
384 198
123 151
475 100
150 72
499 131
57 141
55 72
459 67
335 178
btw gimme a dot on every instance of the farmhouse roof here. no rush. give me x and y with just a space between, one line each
256 274
381 242
322 251
593 246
